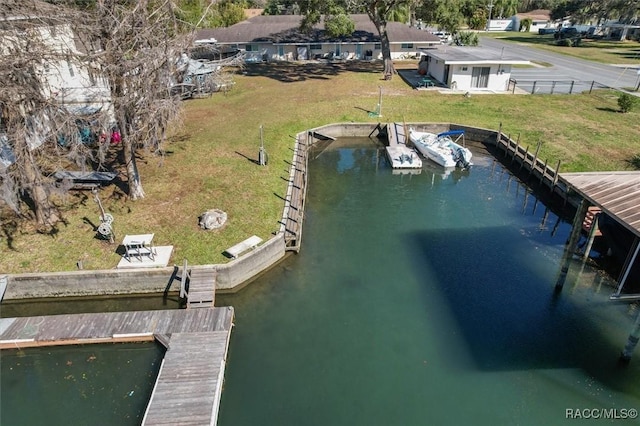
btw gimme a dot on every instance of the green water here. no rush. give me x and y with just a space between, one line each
418 299
87 385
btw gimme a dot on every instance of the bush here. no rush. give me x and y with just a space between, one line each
626 102
468 38
564 42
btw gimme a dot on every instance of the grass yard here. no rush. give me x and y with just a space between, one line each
210 160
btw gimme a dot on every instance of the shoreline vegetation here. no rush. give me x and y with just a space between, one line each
210 161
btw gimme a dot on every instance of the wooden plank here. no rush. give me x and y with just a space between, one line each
188 387
187 390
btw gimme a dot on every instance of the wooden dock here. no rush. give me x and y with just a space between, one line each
189 384
201 291
396 134
296 193
530 163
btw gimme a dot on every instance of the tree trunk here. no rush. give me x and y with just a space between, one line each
381 26
46 213
124 119
135 185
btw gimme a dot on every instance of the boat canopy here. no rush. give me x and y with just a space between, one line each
451 133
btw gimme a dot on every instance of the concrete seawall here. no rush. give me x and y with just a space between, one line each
231 276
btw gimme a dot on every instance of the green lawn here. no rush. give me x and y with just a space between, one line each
210 160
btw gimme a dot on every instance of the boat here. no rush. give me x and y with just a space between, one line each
403 157
442 148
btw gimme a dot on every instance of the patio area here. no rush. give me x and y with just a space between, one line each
418 81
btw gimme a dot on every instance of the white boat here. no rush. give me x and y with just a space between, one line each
441 148
402 157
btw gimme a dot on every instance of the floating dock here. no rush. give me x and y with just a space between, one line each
189 384
399 154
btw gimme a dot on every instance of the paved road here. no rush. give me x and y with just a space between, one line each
565 68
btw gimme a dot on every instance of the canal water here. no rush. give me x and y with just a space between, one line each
425 299
416 299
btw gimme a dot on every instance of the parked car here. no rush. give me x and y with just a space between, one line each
545 31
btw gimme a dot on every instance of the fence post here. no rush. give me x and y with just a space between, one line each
524 157
555 177
592 83
533 88
535 158
553 86
544 173
571 88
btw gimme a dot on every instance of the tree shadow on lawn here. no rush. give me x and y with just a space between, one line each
629 54
294 72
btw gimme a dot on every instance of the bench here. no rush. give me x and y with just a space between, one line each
241 247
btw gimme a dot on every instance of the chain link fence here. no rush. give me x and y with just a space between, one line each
551 87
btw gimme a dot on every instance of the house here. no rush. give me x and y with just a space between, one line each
277 38
540 18
67 81
469 68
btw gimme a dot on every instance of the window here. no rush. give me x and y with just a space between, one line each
407 45
377 46
315 47
463 68
251 48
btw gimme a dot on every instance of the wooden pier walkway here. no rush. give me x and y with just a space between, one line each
189 384
296 193
396 134
201 288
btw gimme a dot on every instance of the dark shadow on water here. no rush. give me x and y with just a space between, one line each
508 314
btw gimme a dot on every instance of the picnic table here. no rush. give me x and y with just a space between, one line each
426 82
138 246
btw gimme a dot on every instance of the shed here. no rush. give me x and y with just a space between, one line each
469 68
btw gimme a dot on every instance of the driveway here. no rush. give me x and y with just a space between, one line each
564 68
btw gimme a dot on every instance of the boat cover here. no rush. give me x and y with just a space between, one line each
451 133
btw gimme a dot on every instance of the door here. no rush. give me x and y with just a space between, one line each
480 77
358 51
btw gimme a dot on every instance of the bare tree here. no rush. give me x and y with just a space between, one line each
30 115
121 56
139 47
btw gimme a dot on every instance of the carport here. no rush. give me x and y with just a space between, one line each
617 194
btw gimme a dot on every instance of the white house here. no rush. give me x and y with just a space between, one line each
469 68
540 18
277 38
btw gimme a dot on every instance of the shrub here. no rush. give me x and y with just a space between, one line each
468 38
626 102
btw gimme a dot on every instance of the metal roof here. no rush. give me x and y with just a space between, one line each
472 55
617 193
